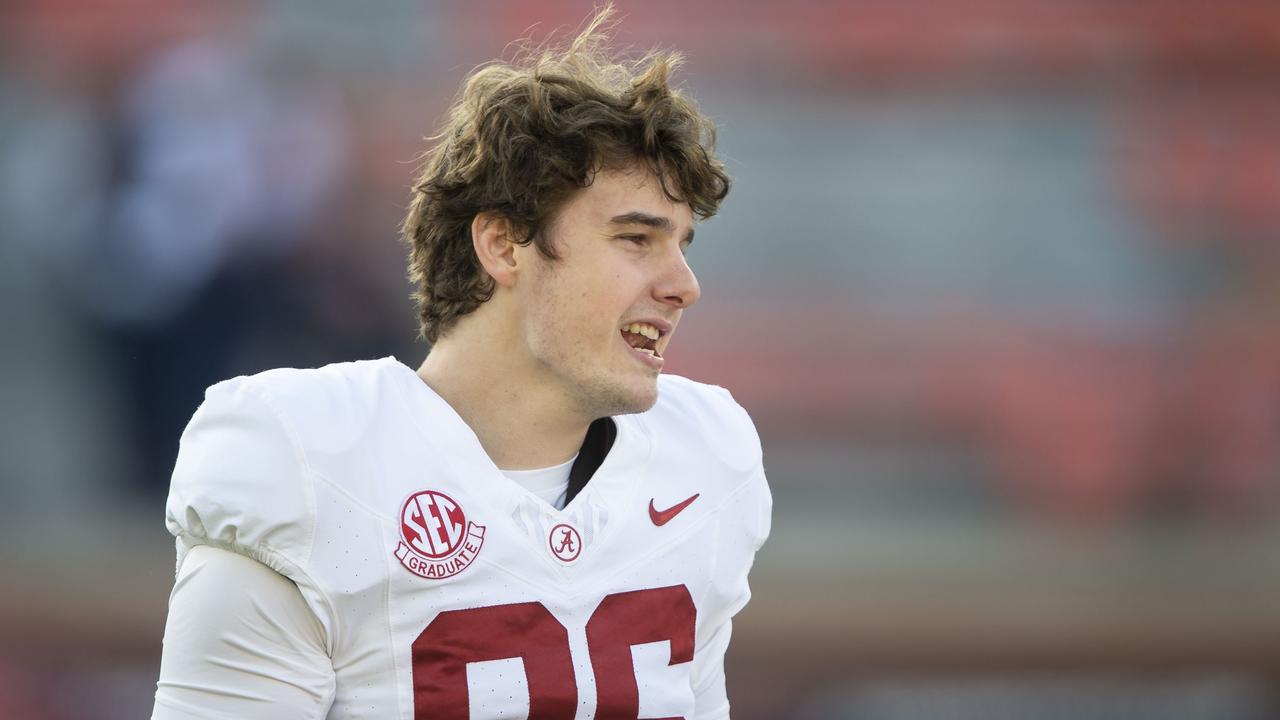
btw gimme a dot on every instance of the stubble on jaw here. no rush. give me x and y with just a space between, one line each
600 383
606 399
599 386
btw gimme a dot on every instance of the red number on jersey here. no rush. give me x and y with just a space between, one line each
457 637
634 618
529 631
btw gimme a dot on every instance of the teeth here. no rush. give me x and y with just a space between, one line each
644 350
644 329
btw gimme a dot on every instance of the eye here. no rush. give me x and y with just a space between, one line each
637 239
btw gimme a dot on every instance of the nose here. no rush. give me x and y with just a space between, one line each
678 286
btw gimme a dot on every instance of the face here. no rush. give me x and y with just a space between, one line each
621 243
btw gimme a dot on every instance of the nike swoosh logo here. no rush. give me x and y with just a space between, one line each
662 517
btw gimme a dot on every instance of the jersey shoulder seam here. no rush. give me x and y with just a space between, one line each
309 475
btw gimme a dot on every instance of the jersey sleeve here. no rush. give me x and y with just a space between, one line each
710 698
745 523
257 652
241 483
744 534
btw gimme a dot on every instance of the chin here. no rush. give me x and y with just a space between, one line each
645 400
637 400
624 397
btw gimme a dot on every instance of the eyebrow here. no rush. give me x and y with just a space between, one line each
654 221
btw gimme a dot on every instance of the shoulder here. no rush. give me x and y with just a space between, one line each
706 441
321 407
704 437
706 417
243 479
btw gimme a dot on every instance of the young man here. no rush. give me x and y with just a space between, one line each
536 523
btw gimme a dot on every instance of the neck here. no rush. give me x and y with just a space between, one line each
522 422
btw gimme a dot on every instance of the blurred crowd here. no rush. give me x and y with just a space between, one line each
1036 240
215 191
175 213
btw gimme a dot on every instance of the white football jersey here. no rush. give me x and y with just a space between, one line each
445 590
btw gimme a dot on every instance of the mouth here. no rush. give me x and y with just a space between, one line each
642 337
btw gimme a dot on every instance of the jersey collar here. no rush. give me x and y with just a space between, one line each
614 463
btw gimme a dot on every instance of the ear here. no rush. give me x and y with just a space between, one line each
491 236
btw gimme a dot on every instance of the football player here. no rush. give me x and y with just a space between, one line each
536 522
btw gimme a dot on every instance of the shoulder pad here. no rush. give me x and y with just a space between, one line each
327 408
240 481
706 417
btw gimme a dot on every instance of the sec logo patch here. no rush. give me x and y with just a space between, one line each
436 539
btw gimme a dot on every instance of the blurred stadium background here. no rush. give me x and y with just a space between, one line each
999 280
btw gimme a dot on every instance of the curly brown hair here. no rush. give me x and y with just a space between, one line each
523 136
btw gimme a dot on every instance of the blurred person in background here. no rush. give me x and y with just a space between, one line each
198 201
536 491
